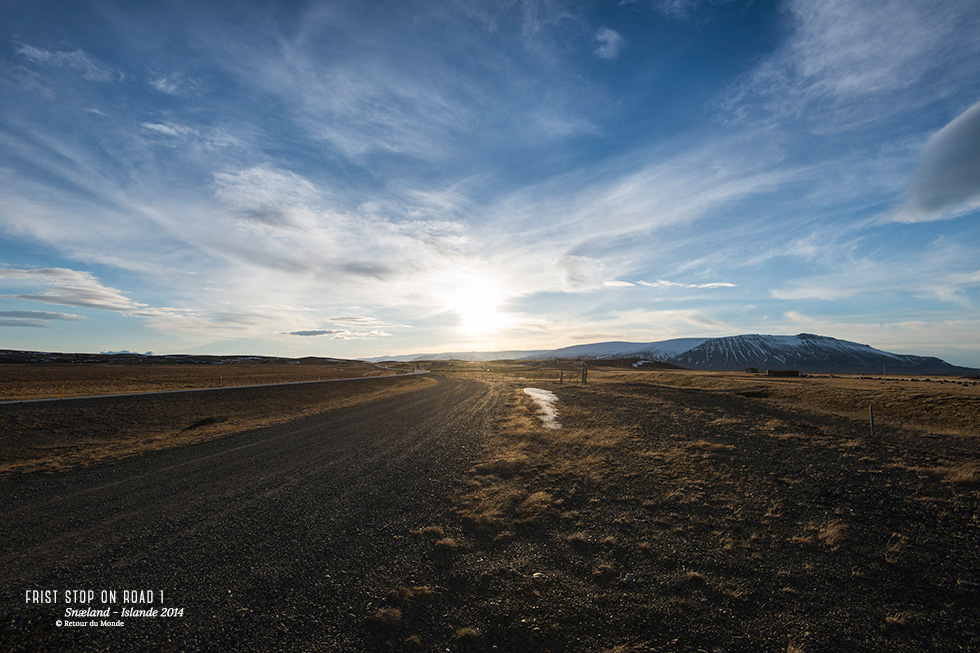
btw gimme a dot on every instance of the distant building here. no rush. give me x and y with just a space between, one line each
783 372
751 370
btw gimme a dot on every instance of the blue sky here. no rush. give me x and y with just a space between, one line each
363 178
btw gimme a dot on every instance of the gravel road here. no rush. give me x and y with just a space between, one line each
283 538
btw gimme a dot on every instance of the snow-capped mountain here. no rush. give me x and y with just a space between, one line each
805 352
662 351
463 356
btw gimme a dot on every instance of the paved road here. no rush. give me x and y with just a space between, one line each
279 538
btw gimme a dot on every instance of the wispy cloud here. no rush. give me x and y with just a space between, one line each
81 289
683 9
87 66
168 129
363 322
67 287
637 324
35 318
940 271
661 283
845 63
172 84
342 334
610 43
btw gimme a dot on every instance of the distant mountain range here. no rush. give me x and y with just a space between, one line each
131 358
805 352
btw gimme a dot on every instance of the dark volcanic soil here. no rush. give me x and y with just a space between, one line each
655 519
707 521
285 538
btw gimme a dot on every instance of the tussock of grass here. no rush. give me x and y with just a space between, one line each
694 578
468 633
579 540
722 421
507 462
895 547
388 617
430 531
966 474
963 474
534 505
447 544
410 594
493 504
603 573
710 446
832 534
897 620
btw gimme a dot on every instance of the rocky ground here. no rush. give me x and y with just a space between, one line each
666 514
684 519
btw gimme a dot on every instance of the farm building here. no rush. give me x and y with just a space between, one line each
783 372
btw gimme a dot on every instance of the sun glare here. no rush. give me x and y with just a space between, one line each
477 302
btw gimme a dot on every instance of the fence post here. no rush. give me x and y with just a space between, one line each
872 412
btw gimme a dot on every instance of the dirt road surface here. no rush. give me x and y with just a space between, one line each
283 538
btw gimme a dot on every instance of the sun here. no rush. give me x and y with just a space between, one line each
477 301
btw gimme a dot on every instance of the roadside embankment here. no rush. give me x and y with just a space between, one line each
61 435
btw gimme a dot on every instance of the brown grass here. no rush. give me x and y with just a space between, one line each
966 473
720 496
388 617
431 531
832 533
467 633
931 404
447 544
26 381
57 436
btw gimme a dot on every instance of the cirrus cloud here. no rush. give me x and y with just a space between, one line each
610 43
87 66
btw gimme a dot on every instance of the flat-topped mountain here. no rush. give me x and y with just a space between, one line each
805 352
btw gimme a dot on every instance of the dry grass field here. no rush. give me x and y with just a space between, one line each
710 512
61 435
25 381
671 511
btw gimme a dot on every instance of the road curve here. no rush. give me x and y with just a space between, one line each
282 538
